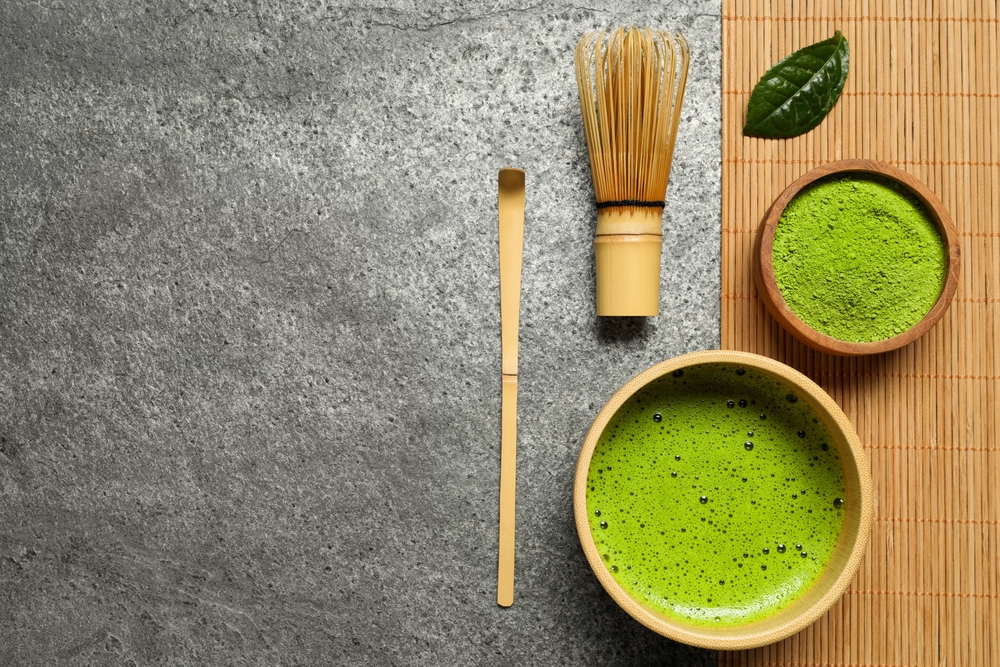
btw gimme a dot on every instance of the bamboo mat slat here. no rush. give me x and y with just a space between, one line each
923 94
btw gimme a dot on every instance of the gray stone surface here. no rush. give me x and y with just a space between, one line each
249 336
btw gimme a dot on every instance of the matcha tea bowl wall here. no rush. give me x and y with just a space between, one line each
723 500
856 257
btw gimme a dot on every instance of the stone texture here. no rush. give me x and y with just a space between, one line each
249 329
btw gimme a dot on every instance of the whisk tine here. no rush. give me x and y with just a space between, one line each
631 85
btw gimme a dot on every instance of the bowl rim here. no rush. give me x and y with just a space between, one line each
759 632
774 301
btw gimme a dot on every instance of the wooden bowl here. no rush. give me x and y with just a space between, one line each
767 286
847 554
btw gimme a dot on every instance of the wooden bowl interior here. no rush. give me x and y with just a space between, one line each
767 286
847 554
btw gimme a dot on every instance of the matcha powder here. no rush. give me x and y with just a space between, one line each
857 257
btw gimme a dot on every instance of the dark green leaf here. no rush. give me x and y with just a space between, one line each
795 95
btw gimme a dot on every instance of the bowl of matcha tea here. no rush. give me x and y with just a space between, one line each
723 499
857 257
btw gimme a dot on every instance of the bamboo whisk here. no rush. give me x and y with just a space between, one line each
631 84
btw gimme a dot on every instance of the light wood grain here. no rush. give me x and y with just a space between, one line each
923 95
508 486
510 204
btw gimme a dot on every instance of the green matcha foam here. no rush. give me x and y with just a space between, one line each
714 495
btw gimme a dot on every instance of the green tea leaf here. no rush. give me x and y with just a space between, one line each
795 95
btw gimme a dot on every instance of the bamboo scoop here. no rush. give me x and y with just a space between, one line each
511 206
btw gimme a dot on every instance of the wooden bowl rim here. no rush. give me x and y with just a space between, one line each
855 465
767 285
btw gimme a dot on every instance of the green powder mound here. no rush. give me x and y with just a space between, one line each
858 258
715 496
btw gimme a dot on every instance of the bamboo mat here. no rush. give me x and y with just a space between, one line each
923 94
